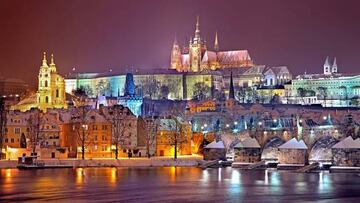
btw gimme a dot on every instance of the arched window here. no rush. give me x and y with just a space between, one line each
57 93
46 99
46 83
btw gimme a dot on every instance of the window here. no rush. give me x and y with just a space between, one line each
46 99
6 140
57 93
12 140
104 127
46 83
17 130
94 127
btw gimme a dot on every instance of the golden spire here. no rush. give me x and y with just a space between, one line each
216 43
44 61
52 60
197 31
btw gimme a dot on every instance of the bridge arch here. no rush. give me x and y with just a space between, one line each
270 150
321 149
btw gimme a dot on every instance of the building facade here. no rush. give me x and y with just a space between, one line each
330 89
51 90
196 57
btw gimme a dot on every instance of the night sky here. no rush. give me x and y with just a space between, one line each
94 35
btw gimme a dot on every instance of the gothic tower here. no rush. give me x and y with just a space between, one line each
327 65
196 49
176 57
334 68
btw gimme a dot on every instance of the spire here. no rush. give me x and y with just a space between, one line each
327 65
334 68
216 43
197 31
44 61
52 60
231 89
327 62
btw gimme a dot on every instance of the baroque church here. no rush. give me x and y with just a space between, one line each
197 57
51 90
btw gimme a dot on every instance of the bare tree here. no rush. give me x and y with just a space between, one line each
301 93
2 124
117 116
150 87
201 91
81 127
177 136
150 137
323 93
34 126
164 91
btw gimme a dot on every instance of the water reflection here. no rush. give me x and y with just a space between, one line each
171 184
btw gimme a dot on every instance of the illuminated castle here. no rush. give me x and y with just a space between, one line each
196 57
51 90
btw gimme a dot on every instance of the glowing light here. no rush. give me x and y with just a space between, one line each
205 125
235 177
260 123
235 123
324 117
266 178
227 125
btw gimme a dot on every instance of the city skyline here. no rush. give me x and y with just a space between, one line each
120 35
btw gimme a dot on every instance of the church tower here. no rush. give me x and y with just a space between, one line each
327 67
334 68
175 63
44 87
196 49
51 87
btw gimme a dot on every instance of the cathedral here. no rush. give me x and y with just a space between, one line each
197 57
51 90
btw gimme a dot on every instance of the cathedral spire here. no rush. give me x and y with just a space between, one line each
197 31
44 61
216 43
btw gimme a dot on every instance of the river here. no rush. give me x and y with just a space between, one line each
171 184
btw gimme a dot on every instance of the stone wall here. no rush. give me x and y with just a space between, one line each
292 156
247 155
346 157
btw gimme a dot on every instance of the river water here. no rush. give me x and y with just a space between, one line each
175 184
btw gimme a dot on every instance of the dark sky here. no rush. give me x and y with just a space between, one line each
94 35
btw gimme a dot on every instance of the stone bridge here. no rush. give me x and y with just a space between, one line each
318 141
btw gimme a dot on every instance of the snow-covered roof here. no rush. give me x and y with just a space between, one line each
348 143
293 144
248 143
215 145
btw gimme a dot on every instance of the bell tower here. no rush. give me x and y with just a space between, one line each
44 87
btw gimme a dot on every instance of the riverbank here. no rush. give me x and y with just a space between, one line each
122 162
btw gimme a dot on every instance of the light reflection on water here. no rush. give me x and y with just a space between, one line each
173 184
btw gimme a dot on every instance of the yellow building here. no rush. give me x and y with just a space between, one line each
51 90
166 134
95 131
